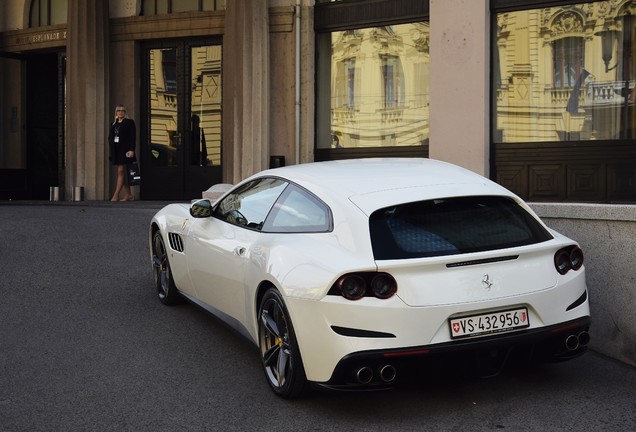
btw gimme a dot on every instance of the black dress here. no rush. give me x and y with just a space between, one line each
121 140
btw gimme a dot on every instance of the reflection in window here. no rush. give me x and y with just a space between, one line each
163 106
206 105
298 211
452 226
250 204
12 141
169 68
344 90
48 12
378 92
160 7
393 79
568 61
585 94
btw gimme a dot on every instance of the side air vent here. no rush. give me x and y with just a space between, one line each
176 243
482 261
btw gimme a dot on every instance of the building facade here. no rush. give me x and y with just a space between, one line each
536 94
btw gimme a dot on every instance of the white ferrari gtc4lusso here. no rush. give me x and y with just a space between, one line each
349 274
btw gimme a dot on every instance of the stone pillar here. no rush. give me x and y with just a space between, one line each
460 83
87 112
245 89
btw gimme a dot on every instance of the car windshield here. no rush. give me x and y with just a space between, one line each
452 226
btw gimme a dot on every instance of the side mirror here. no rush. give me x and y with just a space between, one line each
201 208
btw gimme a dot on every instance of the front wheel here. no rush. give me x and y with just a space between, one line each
166 289
279 348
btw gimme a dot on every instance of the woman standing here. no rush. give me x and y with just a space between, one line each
122 140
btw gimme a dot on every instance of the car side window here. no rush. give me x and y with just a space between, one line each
298 211
249 204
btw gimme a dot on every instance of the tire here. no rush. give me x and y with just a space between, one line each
166 289
279 349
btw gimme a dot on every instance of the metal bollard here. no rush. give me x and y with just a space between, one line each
54 193
78 193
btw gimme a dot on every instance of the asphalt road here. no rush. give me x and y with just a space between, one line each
86 346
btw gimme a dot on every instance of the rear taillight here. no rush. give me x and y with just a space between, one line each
383 285
354 286
576 258
569 258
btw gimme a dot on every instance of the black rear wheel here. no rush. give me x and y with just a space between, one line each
279 349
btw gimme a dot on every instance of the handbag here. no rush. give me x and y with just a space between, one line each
133 178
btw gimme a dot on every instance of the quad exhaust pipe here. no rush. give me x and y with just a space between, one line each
575 341
388 373
365 374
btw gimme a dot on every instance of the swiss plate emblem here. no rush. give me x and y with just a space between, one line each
456 327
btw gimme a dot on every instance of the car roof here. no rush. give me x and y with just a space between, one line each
379 182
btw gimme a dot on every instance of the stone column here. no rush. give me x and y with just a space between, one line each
87 112
460 83
245 89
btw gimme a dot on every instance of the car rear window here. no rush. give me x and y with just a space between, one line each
452 226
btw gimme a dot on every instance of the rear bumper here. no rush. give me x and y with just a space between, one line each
559 342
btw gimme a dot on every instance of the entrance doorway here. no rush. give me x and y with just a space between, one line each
45 122
32 141
181 119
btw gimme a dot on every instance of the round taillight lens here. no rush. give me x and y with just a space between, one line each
383 286
562 261
352 287
576 258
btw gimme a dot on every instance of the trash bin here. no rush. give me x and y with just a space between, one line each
54 193
78 193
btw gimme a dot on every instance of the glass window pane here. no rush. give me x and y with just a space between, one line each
452 226
185 5
373 87
34 14
250 204
163 107
44 12
12 133
149 7
565 74
568 61
59 11
162 7
213 5
158 7
206 106
298 211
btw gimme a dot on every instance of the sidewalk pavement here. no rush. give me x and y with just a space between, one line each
138 204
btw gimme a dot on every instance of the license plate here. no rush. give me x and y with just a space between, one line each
489 323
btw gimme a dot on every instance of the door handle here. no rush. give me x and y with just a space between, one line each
239 251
